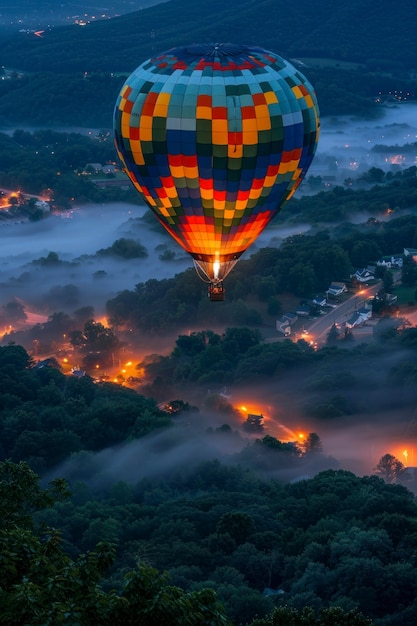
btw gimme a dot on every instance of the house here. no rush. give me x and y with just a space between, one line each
389 262
319 300
283 326
291 317
364 275
354 321
336 289
303 310
360 317
253 423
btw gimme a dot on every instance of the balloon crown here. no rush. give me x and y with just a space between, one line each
215 49
221 56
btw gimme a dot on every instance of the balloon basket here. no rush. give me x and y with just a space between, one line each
216 291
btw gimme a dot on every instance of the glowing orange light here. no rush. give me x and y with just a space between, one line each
97 367
301 436
243 408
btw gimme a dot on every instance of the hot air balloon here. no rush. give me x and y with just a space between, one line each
216 138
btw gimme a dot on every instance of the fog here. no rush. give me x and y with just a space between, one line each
77 237
345 149
347 145
186 445
351 443
84 278
382 423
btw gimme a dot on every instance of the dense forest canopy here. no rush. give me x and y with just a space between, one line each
334 540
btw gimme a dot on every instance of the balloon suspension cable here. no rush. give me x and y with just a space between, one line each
202 275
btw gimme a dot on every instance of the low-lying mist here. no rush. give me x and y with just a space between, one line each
383 424
80 277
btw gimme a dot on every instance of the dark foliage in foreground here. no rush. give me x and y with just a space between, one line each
334 540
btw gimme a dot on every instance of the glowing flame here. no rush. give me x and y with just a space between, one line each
216 268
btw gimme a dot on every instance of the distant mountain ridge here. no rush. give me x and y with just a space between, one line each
374 34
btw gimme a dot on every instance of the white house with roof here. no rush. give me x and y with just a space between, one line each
320 300
336 289
360 317
363 275
389 262
283 326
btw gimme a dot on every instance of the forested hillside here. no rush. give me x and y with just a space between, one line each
324 547
358 31
71 75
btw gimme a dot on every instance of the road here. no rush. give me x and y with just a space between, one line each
339 313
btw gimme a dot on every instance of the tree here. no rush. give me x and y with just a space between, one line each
125 248
373 175
312 444
40 584
333 616
237 524
12 312
239 340
388 281
332 335
21 494
409 272
97 342
389 468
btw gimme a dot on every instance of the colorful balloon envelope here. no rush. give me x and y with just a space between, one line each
216 138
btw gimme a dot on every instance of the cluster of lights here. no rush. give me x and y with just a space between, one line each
87 19
119 379
399 95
